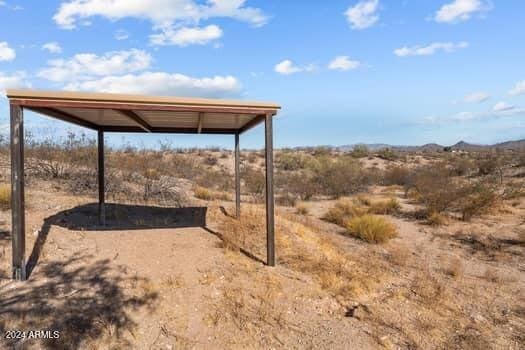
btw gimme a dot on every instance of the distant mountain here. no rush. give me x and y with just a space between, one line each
434 147
515 145
469 147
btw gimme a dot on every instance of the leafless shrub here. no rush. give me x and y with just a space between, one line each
286 199
396 175
428 287
254 182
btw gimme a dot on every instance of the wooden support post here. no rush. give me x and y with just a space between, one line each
270 219
101 183
17 193
237 178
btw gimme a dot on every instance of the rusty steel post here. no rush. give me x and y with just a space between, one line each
270 215
17 193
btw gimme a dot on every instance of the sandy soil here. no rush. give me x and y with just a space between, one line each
149 283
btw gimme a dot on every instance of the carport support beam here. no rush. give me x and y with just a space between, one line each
237 178
101 184
270 219
17 192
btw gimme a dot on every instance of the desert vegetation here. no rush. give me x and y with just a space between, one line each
376 248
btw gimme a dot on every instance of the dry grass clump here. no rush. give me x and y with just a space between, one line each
398 255
302 248
436 219
301 209
428 287
371 228
454 268
387 207
5 196
209 195
342 211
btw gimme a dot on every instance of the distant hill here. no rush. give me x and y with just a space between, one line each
434 147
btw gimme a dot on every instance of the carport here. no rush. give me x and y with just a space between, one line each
106 113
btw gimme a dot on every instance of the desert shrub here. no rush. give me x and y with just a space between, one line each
254 182
371 228
301 209
439 191
364 200
396 175
489 165
300 184
434 188
57 159
514 190
219 179
251 157
290 161
435 219
388 207
5 196
387 154
286 199
343 210
210 160
209 195
321 151
360 151
461 166
478 200
338 177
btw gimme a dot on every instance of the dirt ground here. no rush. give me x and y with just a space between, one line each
161 278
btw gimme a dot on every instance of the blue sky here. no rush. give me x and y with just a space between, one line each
374 71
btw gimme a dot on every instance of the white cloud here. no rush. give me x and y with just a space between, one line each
6 53
286 67
460 10
476 97
121 34
167 17
14 80
518 89
52 47
343 63
429 49
363 14
161 83
187 36
503 107
85 66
